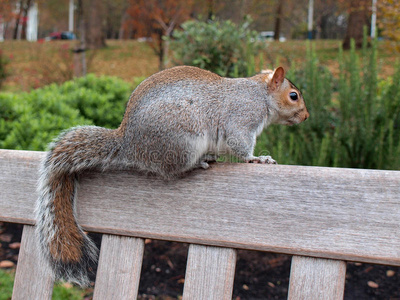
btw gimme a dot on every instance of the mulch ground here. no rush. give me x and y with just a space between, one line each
258 275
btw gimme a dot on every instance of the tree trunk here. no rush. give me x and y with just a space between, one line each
210 9
25 19
161 53
17 19
278 19
95 37
79 51
121 33
359 14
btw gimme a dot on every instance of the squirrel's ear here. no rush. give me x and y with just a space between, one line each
277 78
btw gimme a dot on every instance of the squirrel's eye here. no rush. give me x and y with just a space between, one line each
294 96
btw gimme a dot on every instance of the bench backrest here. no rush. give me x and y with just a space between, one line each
322 216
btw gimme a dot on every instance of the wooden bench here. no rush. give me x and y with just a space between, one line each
322 216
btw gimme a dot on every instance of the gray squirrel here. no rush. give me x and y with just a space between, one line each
174 119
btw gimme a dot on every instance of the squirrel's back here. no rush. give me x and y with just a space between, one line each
193 100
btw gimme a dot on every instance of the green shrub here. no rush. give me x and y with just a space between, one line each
30 121
219 46
3 68
38 117
99 99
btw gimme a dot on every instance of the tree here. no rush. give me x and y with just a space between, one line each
25 10
95 33
359 16
80 47
329 19
158 18
278 18
389 20
21 16
18 18
6 10
116 14
222 47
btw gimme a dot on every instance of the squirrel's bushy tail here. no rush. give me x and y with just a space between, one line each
63 243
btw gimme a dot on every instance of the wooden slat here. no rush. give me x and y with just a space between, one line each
317 279
33 278
18 178
119 268
210 273
346 214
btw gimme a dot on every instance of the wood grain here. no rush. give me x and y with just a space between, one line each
18 178
345 214
119 268
210 273
33 278
317 279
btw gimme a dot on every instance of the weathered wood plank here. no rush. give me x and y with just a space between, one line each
119 268
324 212
18 178
210 273
317 279
33 279
346 214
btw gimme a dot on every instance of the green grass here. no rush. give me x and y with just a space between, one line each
61 291
6 284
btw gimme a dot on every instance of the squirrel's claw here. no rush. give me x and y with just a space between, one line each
204 165
262 160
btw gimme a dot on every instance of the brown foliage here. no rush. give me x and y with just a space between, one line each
389 21
6 10
157 18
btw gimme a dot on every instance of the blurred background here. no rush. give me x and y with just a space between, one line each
65 63
132 38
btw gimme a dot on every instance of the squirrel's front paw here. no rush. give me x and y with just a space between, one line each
262 160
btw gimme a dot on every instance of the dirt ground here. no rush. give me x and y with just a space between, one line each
258 275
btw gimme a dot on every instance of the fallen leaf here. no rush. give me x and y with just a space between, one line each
390 273
6 264
5 237
15 245
369 269
170 264
271 284
373 284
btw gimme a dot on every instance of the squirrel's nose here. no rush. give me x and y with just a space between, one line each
307 115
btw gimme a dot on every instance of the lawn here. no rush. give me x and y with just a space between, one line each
34 64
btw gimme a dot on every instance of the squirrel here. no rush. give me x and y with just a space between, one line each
174 119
